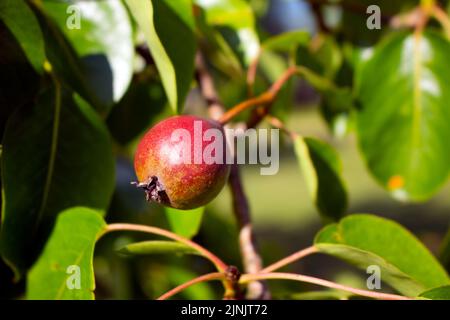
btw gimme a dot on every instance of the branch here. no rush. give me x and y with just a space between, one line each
207 88
251 259
263 99
321 282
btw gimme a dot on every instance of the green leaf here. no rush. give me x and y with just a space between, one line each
235 21
168 26
104 41
440 293
336 108
322 55
135 112
321 167
69 252
186 223
365 240
157 247
404 89
321 295
56 155
23 24
286 41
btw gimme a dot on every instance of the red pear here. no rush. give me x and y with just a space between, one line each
181 162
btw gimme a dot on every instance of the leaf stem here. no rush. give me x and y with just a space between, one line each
321 282
220 265
442 17
269 96
203 278
290 259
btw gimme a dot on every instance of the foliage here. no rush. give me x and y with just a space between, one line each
74 99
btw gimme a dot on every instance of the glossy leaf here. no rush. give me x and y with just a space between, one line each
321 168
404 89
156 247
68 253
186 223
64 61
103 39
235 21
23 24
56 154
168 26
365 240
440 293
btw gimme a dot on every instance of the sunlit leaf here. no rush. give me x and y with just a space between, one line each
403 130
364 240
65 268
156 247
103 38
235 21
440 293
168 26
321 166
23 24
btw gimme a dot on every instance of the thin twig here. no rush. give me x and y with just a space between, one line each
203 278
263 99
442 17
289 259
321 282
207 88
